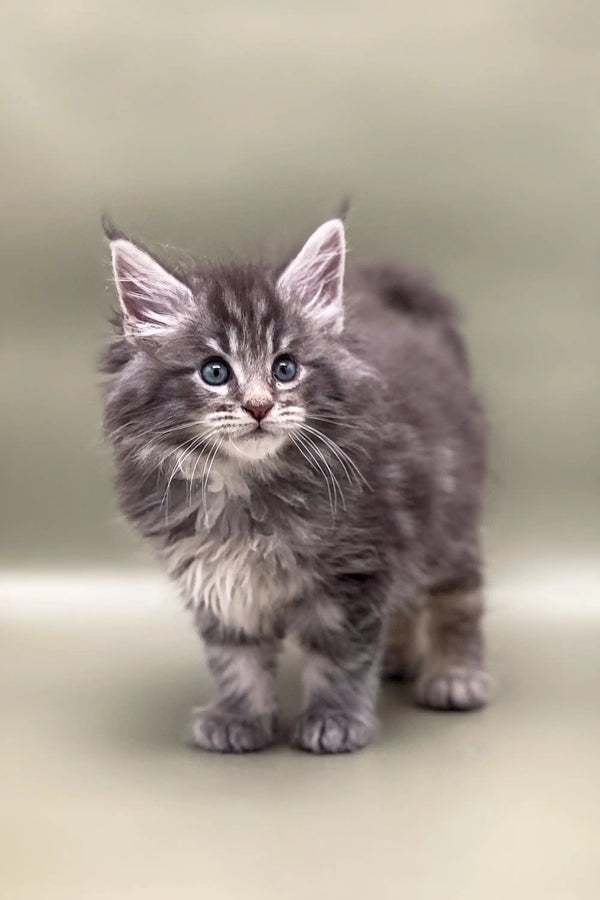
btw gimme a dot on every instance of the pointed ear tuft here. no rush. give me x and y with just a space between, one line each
153 301
315 277
111 231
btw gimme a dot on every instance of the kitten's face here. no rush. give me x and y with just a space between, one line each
251 401
232 362
249 380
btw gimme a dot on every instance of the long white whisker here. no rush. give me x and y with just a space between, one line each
204 440
344 459
153 432
193 475
302 442
206 472
178 467
336 484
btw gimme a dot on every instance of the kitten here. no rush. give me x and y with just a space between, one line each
304 451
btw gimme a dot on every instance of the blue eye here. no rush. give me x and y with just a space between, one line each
284 369
216 372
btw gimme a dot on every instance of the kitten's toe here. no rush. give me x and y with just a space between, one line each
222 733
331 731
457 688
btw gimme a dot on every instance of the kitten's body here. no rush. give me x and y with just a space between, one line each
340 534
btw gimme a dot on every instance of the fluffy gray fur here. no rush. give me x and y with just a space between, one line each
348 516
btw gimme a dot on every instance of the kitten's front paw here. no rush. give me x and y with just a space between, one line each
223 733
457 688
331 731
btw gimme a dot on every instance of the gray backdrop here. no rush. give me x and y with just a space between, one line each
468 134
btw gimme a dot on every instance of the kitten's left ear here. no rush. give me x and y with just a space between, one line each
153 301
316 276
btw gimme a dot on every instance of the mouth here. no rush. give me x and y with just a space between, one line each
255 443
257 433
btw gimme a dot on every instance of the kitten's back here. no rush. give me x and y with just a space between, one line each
393 304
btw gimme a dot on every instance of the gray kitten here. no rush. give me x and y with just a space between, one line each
304 451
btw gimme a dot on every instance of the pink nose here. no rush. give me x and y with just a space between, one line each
258 412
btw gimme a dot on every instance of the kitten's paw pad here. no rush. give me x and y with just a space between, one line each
457 688
227 734
330 732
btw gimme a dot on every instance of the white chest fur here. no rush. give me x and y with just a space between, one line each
234 566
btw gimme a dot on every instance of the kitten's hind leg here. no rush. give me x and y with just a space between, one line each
453 674
406 642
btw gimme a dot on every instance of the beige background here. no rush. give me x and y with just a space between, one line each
468 134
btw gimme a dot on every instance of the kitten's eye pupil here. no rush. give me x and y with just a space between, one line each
284 369
215 371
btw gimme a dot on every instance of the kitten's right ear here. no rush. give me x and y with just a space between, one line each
153 301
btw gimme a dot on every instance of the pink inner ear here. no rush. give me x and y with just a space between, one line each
329 260
140 306
148 293
316 275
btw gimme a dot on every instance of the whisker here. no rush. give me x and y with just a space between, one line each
178 467
116 433
344 459
326 463
336 422
193 475
331 490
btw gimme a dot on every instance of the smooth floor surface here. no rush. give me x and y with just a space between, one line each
103 798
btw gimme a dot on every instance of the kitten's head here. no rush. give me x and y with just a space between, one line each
237 359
